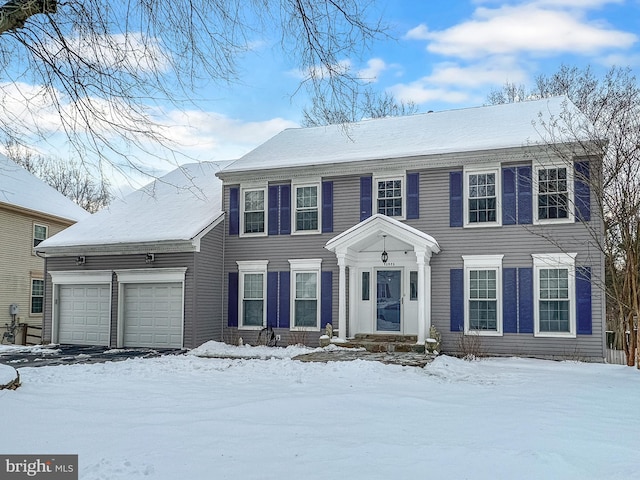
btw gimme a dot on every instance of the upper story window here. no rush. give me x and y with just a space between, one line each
482 191
483 294
389 196
554 290
553 191
40 233
306 211
253 211
253 288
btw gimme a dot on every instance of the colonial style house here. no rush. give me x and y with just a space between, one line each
471 221
30 212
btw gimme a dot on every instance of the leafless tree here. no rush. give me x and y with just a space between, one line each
104 68
612 105
69 177
365 104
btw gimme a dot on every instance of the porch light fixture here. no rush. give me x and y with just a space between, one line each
81 260
385 255
150 257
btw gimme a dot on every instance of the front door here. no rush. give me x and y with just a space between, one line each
389 299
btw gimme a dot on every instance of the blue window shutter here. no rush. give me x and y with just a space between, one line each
285 209
232 306
456 299
525 206
413 195
583 300
582 192
510 300
525 295
284 307
366 184
327 207
509 196
274 209
234 211
326 296
455 199
272 299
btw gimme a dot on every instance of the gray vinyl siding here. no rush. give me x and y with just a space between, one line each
207 294
121 262
515 242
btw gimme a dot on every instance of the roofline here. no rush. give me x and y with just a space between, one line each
37 213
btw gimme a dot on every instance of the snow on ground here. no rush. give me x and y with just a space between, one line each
7 375
29 349
213 349
228 418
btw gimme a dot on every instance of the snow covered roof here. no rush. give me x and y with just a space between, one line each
173 208
462 130
22 189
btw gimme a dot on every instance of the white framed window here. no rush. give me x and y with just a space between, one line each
254 211
305 294
252 294
483 294
482 191
389 197
40 234
306 216
553 193
554 295
37 296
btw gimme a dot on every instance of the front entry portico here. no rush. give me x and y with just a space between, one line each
392 296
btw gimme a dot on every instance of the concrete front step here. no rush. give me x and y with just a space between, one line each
385 343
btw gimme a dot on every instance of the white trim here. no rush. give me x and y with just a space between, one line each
80 277
31 312
483 262
305 266
250 188
151 275
33 235
374 194
251 267
554 261
467 172
548 164
300 184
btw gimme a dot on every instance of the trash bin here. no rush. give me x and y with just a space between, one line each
21 334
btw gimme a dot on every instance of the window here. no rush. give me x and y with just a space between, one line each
553 191
37 296
366 286
253 211
482 190
305 288
253 287
39 234
554 280
306 216
413 285
483 299
389 196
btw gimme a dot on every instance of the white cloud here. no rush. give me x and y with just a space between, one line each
421 92
375 67
421 32
490 72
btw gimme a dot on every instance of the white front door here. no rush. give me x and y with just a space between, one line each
389 300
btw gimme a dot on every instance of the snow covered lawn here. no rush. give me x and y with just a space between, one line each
186 417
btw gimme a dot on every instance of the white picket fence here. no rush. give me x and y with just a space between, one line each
616 357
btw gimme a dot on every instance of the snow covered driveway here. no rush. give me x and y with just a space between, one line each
209 418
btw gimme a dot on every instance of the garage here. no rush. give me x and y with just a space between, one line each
152 314
84 314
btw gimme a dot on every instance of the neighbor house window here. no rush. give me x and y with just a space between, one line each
305 288
389 196
482 190
37 296
253 288
554 280
40 233
253 211
553 192
306 212
483 299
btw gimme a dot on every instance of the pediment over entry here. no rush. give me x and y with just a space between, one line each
370 234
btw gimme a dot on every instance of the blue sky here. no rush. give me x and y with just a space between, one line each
440 55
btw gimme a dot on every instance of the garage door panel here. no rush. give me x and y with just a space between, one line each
84 314
153 315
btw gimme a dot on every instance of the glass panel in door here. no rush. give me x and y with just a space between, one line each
388 300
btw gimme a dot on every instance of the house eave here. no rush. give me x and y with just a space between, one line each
169 246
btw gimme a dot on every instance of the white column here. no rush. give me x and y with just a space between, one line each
422 293
427 295
353 291
342 297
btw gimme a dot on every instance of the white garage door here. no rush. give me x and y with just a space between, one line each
153 315
83 314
